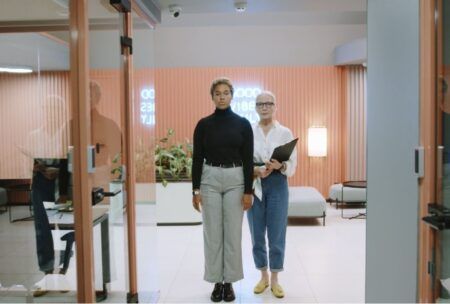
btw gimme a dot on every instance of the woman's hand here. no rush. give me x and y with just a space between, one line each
274 164
261 172
265 172
247 201
197 201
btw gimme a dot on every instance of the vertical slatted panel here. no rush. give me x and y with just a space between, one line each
356 123
23 99
306 96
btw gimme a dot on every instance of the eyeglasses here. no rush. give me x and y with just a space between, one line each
264 104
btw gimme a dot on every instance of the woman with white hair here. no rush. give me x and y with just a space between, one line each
270 207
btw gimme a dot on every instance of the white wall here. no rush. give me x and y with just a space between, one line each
104 49
251 45
226 45
393 133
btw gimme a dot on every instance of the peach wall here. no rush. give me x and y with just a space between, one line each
21 111
23 108
306 96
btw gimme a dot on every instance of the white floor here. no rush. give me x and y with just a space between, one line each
322 264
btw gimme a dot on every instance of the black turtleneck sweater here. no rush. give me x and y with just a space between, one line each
223 138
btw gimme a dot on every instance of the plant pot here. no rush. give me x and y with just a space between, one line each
174 205
116 203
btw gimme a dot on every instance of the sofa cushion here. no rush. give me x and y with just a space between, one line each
306 202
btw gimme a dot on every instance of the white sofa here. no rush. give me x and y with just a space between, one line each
347 195
306 202
340 194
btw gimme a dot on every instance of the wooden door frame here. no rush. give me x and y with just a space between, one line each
78 27
127 114
80 132
428 116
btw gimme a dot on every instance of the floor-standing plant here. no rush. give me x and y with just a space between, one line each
173 161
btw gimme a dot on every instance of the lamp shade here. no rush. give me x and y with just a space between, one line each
317 142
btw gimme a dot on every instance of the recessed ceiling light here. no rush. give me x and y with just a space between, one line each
240 6
17 70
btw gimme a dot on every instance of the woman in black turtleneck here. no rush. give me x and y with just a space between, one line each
222 173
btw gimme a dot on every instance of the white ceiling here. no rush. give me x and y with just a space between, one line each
27 10
264 6
34 49
264 12
221 12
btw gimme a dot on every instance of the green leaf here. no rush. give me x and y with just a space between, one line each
173 160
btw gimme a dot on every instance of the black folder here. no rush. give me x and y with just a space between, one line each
282 153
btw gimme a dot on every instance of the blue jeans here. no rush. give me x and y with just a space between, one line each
270 214
42 190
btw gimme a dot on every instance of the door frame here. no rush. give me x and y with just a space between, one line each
78 27
428 285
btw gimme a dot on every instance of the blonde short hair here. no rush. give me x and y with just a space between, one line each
219 81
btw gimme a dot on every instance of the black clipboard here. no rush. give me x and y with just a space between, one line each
282 153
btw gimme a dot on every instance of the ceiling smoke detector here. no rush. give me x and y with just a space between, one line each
240 6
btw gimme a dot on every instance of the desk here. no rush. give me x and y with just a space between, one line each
352 184
65 221
19 195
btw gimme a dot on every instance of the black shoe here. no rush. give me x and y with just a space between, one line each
217 294
228 292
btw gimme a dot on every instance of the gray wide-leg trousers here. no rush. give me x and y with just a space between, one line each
222 190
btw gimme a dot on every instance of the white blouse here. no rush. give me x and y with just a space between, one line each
264 145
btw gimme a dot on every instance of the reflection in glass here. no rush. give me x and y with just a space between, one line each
106 136
37 257
444 107
145 101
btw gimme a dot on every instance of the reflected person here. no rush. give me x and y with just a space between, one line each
46 146
106 136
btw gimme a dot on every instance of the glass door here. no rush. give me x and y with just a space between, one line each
37 252
442 246
108 141
144 99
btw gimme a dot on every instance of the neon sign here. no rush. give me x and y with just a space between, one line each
148 106
244 102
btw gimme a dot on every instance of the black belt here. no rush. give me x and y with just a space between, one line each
226 165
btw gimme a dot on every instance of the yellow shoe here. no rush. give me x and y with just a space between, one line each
277 291
260 287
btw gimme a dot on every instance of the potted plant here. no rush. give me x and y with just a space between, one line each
173 162
117 169
117 203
